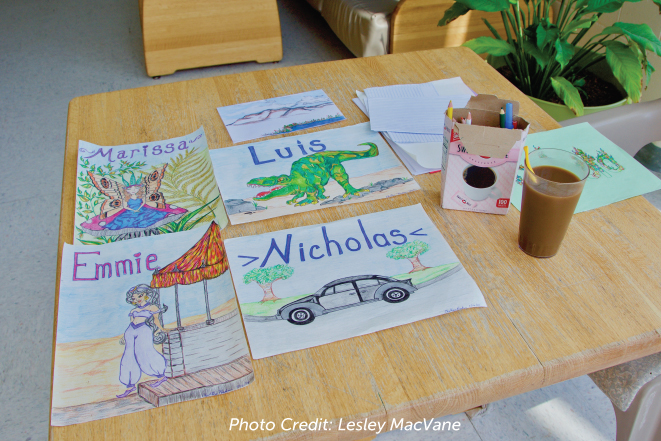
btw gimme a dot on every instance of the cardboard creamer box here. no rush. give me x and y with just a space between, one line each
479 160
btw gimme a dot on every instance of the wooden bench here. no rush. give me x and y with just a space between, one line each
183 34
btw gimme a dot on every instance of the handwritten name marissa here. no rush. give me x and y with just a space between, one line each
330 245
96 271
114 153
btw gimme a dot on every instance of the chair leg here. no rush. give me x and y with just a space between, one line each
642 420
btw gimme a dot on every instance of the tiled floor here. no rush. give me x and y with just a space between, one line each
51 52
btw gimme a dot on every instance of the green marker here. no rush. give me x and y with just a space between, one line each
502 118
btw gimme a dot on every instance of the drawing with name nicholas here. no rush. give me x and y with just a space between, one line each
313 285
308 172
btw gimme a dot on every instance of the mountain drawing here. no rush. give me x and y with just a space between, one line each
299 108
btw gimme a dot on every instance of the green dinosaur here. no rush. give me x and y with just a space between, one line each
310 174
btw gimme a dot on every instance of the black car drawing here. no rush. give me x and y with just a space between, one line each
345 293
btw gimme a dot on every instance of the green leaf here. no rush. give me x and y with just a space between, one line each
546 35
564 52
541 57
490 46
453 12
486 5
604 5
626 67
649 69
580 24
568 94
640 33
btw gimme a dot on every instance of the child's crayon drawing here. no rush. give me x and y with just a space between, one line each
279 115
614 174
145 323
146 189
302 173
309 286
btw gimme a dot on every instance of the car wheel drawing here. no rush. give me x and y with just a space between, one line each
301 316
345 293
395 295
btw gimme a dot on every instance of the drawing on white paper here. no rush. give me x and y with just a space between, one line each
313 285
308 172
279 115
133 335
146 189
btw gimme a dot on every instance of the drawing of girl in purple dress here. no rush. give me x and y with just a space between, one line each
133 206
140 355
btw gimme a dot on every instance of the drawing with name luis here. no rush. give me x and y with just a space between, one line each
308 172
313 285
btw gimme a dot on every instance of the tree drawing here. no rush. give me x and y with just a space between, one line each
410 251
265 277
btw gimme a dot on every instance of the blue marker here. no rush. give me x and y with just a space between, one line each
508 116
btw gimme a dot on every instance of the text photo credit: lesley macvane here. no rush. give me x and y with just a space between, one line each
365 425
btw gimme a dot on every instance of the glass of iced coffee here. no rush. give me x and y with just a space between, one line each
549 199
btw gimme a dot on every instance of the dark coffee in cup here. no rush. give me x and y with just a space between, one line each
479 177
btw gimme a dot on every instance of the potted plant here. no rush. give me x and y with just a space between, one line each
546 55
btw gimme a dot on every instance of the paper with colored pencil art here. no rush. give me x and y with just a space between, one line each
614 174
145 189
309 286
308 172
145 323
279 115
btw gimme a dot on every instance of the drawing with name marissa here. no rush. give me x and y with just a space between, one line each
308 172
146 189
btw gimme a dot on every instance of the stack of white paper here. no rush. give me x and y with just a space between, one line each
411 117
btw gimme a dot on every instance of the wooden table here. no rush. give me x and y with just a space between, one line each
596 304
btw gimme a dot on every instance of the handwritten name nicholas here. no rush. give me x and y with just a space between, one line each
330 245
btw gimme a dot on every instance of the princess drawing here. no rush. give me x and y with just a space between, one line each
140 355
133 206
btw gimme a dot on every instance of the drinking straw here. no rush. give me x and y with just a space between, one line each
508 115
450 110
469 120
502 118
525 149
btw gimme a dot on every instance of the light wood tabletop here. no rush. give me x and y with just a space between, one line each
595 304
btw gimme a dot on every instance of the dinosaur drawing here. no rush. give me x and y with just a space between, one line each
310 174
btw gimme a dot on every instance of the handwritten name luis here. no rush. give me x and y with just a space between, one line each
314 143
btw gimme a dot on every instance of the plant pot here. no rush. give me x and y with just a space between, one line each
560 112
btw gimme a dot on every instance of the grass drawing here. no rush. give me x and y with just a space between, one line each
287 128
